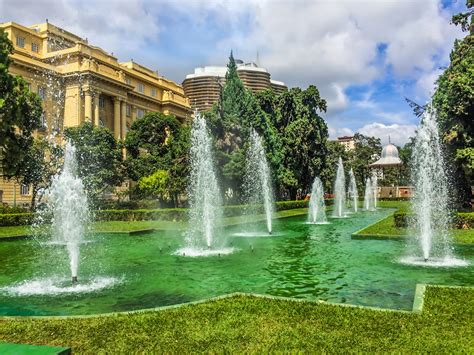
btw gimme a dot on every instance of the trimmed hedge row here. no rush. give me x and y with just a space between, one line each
169 214
461 220
15 219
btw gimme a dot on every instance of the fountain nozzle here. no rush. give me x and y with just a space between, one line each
426 259
270 232
74 280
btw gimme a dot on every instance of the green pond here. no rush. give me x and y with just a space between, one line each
119 272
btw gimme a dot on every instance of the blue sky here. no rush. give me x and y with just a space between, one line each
365 56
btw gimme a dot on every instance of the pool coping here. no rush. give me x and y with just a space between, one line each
417 307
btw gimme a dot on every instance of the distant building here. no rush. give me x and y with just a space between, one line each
347 141
203 86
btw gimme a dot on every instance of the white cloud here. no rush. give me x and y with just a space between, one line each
335 132
399 134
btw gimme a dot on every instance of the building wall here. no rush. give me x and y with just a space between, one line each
80 82
203 88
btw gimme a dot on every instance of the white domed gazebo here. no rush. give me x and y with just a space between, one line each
389 158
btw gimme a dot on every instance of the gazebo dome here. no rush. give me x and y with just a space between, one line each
389 151
389 158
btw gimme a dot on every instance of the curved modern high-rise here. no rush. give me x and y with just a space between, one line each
203 86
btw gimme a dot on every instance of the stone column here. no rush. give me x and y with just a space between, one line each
124 119
96 110
116 118
88 106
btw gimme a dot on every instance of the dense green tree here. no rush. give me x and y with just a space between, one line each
99 158
159 142
20 113
303 137
367 151
41 162
156 184
230 121
454 102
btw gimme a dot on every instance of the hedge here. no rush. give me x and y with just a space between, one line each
461 220
171 214
15 219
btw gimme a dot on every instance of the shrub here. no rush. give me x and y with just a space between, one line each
15 219
460 220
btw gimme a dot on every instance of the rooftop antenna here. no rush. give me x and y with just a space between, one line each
389 139
258 59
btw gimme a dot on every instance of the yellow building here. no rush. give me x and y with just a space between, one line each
79 82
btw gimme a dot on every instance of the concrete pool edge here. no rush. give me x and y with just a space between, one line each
417 307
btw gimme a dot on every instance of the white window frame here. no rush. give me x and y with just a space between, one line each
24 190
153 92
101 102
20 42
128 110
141 88
42 92
140 113
35 47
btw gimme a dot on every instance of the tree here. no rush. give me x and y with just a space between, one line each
230 121
99 158
20 114
454 102
40 164
303 137
328 174
156 184
367 150
158 142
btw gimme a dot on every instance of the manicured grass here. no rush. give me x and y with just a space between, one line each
126 226
253 324
386 229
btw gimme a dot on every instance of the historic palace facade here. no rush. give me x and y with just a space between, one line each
79 82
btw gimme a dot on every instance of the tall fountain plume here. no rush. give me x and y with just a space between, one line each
352 191
375 191
430 201
257 183
317 208
368 199
68 203
205 202
339 191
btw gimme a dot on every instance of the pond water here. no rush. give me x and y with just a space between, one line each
119 272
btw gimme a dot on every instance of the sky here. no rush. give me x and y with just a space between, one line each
365 56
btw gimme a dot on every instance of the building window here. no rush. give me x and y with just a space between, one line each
101 122
128 81
128 109
20 42
101 102
153 92
42 93
34 47
141 88
24 189
140 113
43 119
29 86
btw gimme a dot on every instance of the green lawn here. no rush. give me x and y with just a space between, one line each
126 226
386 229
254 324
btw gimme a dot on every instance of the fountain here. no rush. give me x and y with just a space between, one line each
375 191
339 191
431 219
317 208
205 202
257 180
368 199
352 191
68 203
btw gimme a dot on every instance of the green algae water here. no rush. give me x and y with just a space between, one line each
119 272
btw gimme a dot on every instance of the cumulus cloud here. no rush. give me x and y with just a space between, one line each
399 134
